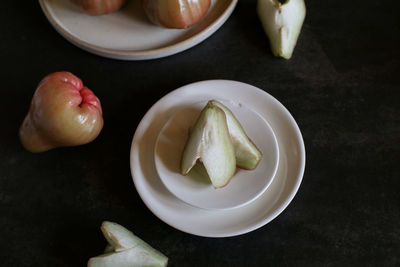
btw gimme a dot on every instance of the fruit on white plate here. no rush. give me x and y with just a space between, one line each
126 249
178 14
210 142
247 154
63 112
100 7
282 23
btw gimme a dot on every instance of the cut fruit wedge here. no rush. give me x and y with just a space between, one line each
136 256
119 237
126 249
210 142
282 23
132 257
247 154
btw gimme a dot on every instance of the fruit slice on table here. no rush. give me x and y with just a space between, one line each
210 142
63 112
121 238
128 258
126 249
282 24
247 154
178 14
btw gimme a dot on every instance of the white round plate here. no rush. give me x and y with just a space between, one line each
218 223
128 34
196 188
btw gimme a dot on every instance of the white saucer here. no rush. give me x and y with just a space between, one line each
196 188
218 223
128 34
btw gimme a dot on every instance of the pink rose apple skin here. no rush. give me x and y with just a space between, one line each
100 7
63 112
179 14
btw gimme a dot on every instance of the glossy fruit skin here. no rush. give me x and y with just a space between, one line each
100 7
178 14
62 112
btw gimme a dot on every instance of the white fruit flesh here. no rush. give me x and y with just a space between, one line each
119 237
247 154
132 257
122 239
282 24
210 142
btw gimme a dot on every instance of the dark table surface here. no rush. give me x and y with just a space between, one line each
341 86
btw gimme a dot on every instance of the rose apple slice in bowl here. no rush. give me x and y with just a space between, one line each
196 188
210 143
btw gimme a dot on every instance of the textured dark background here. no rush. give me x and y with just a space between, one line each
342 87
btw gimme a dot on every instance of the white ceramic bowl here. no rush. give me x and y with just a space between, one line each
227 222
196 188
128 34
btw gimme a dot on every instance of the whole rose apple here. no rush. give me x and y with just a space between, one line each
100 7
178 14
63 112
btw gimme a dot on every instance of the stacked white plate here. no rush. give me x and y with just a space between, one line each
191 204
195 188
128 34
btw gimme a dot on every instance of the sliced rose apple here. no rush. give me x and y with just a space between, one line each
210 142
282 24
136 256
126 249
121 238
247 154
